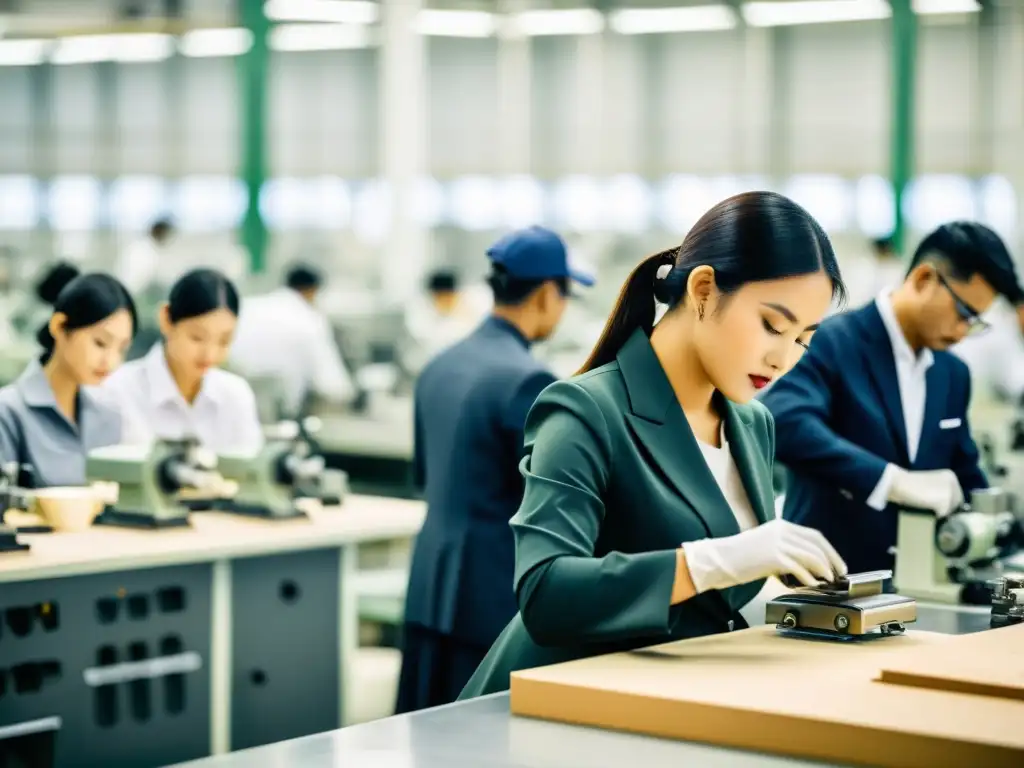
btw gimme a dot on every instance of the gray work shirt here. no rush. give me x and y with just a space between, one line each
34 431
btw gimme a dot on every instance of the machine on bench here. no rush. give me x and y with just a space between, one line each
955 559
855 606
153 481
284 470
11 497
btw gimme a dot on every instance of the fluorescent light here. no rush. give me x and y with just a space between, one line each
768 14
577 21
926 7
201 43
456 23
318 37
697 18
326 11
85 49
15 53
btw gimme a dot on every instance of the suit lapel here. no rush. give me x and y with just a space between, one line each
663 432
880 360
936 394
752 465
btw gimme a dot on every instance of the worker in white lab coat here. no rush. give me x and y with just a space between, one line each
996 357
438 319
282 335
141 264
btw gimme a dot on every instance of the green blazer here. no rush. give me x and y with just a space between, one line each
615 482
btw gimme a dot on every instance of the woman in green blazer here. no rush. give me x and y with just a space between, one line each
625 537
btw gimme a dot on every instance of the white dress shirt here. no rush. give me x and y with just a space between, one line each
911 372
730 482
280 335
223 416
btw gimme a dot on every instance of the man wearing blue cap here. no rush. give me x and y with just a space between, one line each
471 404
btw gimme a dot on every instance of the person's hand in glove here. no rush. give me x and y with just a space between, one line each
937 490
775 548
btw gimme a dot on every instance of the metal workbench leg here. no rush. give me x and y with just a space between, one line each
220 659
348 627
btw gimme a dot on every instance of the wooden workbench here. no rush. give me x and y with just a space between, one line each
152 646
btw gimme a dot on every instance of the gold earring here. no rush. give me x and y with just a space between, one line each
700 312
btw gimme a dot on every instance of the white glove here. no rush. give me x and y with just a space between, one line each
778 547
937 490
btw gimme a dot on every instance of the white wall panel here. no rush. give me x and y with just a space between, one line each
15 119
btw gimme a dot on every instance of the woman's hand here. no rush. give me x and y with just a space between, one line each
776 548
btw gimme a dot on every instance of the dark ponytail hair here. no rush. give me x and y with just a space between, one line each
54 281
84 301
199 292
746 238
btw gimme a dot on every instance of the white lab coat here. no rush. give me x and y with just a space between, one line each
996 357
281 335
431 332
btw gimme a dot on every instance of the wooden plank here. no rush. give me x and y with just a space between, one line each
985 664
211 536
757 690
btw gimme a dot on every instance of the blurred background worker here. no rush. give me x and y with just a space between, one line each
142 264
996 357
471 404
284 337
875 415
437 319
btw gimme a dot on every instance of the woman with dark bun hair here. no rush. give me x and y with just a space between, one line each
48 419
178 389
647 514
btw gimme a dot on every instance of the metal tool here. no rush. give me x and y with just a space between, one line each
1007 601
853 606
284 470
151 481
11 497
954 559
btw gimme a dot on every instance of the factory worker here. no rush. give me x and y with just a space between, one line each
996 357
48 418
438 320
470 409
875 415
142 263
177 390
647 514
282 335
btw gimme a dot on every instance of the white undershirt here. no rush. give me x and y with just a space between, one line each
723 469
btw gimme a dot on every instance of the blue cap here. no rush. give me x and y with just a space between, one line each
535 253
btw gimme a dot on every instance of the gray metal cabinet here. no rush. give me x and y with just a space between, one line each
121 658
285 646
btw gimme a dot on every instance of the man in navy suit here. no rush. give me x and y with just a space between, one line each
471 404
875 413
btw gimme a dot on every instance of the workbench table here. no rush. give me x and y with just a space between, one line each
189 641
481 732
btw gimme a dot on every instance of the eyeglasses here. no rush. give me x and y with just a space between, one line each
967 313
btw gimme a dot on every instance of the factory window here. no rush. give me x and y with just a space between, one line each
371 212
683 200
135 202
726 186
932 200
74 203
628 203
578 204
828 199
19 202
284 203
874 206
330 203
997 203
474 203
428 203
209 203
522 201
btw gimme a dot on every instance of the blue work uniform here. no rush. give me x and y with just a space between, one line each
34 431
471 404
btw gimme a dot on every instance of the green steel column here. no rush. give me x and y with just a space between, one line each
904 61
253 90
